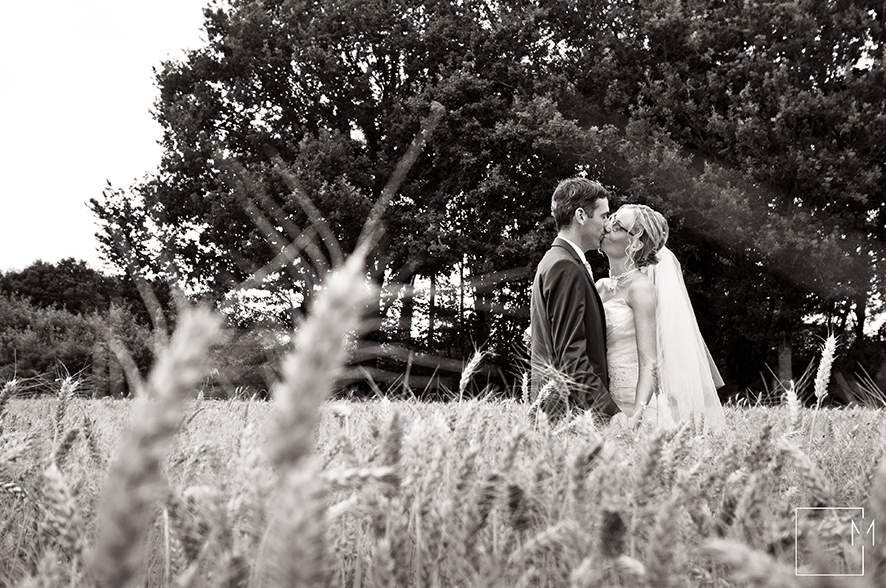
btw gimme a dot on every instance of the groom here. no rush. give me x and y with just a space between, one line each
568 327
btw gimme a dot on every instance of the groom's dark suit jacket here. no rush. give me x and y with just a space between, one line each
569 328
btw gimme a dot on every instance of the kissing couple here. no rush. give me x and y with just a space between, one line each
629 344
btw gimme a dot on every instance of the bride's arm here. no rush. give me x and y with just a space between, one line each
643 301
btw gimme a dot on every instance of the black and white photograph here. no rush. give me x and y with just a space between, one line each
443 294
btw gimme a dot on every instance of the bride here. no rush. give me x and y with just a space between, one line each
660 370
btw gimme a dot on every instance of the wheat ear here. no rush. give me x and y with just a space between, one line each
823 375
666 559
469 372
793 403
65 394
296 551
311 369
8 391
878 506
62 517
815 478
135 481
749 565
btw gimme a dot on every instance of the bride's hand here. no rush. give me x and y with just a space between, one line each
619 420
637 418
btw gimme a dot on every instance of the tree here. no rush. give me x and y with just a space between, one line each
791 97
73 286
70 285
758 130
331 94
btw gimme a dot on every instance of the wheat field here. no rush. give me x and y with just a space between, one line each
410 494
168 490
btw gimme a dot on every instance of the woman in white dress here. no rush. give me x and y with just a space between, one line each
660 370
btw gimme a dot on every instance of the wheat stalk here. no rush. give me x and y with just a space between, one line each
135 481
469 372
793 404
296 551
749 565
318 355
815 478
823 375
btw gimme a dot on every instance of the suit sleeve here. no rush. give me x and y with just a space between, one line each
567 306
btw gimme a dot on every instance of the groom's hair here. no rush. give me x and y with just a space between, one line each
572 194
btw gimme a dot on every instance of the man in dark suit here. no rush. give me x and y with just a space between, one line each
568 326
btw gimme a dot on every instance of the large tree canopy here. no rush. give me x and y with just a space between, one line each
758 129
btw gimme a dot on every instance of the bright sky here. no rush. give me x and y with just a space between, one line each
77 90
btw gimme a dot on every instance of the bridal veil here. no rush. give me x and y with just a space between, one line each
687 374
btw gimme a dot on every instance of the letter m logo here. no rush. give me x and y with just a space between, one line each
863 529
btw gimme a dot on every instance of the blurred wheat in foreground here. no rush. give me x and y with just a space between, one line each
168 491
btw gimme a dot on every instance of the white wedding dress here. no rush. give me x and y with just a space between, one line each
687 377
623 364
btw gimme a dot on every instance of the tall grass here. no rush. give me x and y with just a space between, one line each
437 495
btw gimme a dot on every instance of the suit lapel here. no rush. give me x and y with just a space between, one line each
558 242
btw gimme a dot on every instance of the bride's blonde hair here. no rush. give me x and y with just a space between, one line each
649 233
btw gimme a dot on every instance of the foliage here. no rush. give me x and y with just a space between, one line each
789 97
70 284
39 344
758 129
73 286
37 341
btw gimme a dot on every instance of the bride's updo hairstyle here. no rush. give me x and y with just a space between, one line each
649 234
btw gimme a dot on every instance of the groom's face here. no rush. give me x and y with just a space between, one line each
594 223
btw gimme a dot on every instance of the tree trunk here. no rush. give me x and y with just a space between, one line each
116 379
407 311
861 309
461 307
785 371
432 310
100 371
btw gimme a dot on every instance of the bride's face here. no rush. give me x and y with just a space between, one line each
619 229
